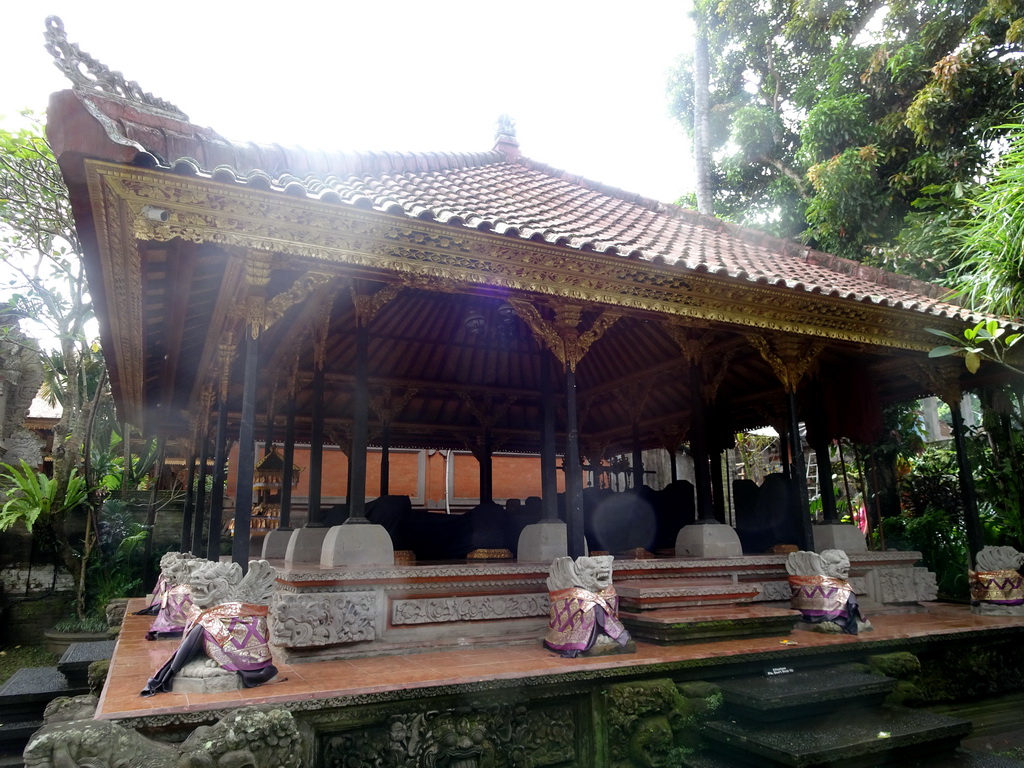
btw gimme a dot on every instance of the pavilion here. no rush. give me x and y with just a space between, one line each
482 301
460 300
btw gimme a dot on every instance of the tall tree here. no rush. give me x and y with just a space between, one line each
854 123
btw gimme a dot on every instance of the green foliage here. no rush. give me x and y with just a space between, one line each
31 495
83 624
860 126
116 568
986 340
990 269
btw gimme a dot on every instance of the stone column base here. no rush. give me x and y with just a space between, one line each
305 545
542 542
708 538
275 543
844 536
357 544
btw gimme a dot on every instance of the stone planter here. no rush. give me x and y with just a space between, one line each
58 642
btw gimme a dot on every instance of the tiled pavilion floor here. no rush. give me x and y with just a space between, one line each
135 659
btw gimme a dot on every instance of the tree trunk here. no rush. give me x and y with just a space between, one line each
701 123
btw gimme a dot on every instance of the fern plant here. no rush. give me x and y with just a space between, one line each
32 495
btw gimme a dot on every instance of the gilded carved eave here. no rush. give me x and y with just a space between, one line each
315 235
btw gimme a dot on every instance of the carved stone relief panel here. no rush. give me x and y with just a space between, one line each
467 608
507 735
310 620
896 585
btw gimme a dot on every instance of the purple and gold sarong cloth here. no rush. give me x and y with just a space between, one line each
823 598
996 587
235 635
578 616
158 595
172 617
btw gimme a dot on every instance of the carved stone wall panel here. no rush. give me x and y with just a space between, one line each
433 610
925 585
896 585
506 735
313 620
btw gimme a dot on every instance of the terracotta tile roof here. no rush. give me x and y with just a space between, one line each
503 192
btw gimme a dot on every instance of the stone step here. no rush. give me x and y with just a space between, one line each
856 737
670 626
649 594
783 693
14 737
27 692
74 664
961 758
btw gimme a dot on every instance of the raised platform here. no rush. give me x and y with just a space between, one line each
321 613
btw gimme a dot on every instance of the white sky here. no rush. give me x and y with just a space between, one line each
584 81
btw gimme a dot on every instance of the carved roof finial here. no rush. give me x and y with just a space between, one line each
89 74
505 137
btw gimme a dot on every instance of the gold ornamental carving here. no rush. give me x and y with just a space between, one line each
563 335
789 357
367 305
375 245
942 378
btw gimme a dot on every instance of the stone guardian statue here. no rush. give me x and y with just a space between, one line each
584 616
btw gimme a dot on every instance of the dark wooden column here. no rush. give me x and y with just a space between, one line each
219 477
576 539
485 457
638 457
821 441
288 475
200 510
799 480
316 447
717 485
246 452
385 459
790 357
190 501
548 451
360 428
699 446
975 534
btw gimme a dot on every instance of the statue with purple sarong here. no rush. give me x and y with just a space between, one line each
997 586
171 597
821 591
584 616
226 643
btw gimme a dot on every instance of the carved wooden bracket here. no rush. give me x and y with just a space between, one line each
691 341
941 377
488 412
227 350
367 305
563 336
790 357
387 407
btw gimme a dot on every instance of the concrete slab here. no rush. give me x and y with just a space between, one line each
708 538
357 544
542 542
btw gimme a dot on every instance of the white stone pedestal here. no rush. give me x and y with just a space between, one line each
844 536
305 545
275 543
542 542
708 538
357 544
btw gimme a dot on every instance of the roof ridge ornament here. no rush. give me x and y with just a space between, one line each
505 137
89 74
